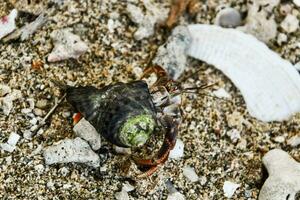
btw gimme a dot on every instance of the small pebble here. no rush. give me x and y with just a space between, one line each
190 174
10 145
294 141
228 18
290 23
39 168
222 93
42 103
279 139
178 150
176 196
122 195
122 150
229 188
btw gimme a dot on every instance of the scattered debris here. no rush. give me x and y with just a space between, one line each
284 176
154 15
228 18
190 174
269 95
222 93
229 188
179 7
86 131
234 135
294 141
8 24
177 151
66 45
172 55
260 20
290 23
10 145
71 150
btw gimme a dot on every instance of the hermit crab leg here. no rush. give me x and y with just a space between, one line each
162 76
171 127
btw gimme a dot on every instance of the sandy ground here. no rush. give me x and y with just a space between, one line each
112 56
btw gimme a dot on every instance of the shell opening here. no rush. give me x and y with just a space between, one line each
136 130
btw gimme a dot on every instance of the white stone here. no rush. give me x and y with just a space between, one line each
281 38
127 187
122 195
7 101
71 150
190 174
222 93
296 2
290 23
39 168
279 139
229 188
8 24
294 141
66 45
176 196
172 55
178 150
86 131
228 18
260 22
284 176
4 89
234 135
13 139
269 84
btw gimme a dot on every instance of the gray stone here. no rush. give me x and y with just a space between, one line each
228 18
86 131
284 176
172 56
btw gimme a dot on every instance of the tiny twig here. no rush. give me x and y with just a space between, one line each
43 121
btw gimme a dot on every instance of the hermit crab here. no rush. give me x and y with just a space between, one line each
127 114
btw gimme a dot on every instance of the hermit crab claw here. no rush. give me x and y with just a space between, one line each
171 129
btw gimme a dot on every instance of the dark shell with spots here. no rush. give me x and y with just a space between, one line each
122 113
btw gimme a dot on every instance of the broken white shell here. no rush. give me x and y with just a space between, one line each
8 24
269 84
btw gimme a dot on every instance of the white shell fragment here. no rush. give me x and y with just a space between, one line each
269 84
71 150
284 176
10 145
177 151
229 188
66 45
86 131
8 24
172 55
190 174
155 14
